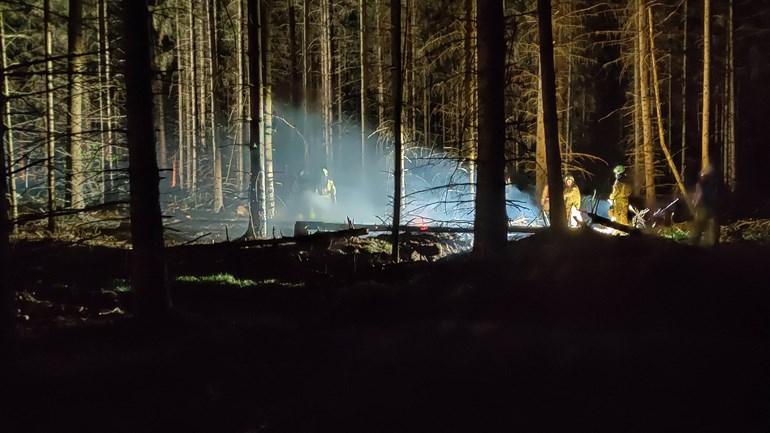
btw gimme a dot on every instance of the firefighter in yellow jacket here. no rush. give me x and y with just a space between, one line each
571 199
621 190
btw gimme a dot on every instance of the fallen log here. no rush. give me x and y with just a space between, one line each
302 227
319 238
597 219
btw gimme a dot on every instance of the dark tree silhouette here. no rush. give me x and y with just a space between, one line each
491 221
148 270
548 83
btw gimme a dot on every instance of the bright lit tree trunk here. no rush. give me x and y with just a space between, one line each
49 109
550 118
395 58
705 157
75 69
644 88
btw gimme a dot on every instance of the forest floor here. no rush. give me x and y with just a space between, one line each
586 333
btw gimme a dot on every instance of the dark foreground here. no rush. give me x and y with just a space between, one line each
578 334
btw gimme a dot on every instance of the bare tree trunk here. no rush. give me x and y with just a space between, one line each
638 139
160 110
426 106
5 120
243 93
649 161
148 270
731 175
7 293
684 92
258 212
568 113
380 66
294 67
705 157
550 118
470 114
108 177
201 93
541 172
214 84
395 58
658 110
50 126
73 195
180 86
326 80
305 81
267 87
363 34
192 168
490 230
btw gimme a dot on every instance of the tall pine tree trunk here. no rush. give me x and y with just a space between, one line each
108 177
490 232
267 127
192 167
49 109
363 34
731 176
75 69
380 66
5 117
258 212
469 93
148 270
638 137
683 146
305 81
550 119
396 71
215 109
705 157
181 130
7 294
658 110
647 150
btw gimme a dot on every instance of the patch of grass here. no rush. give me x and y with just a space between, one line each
675 233
216 279
121 285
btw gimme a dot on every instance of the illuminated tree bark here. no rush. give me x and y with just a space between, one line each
49 109
267 126
550 119
215 108
75 69
395 58
705 120
730 170
658 109
108 176
363 34
644 88
6 288
257 206
5 118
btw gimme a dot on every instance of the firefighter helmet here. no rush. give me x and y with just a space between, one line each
619 169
